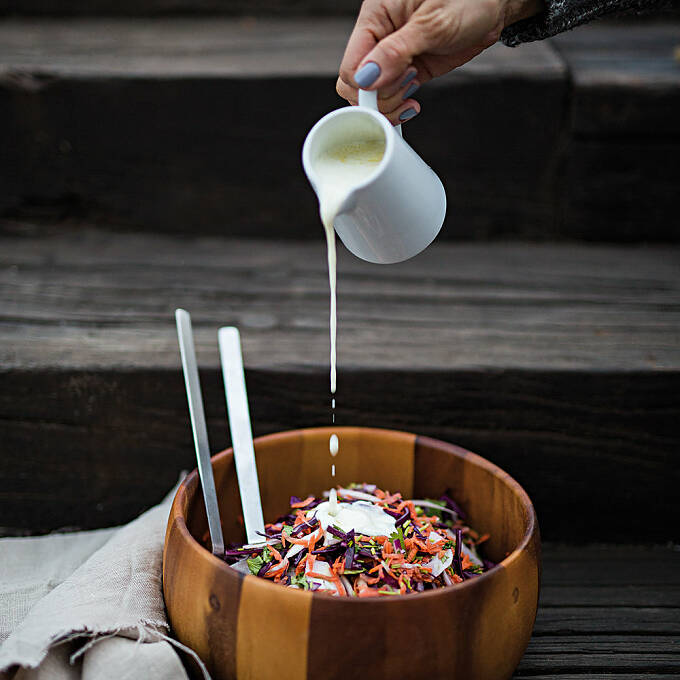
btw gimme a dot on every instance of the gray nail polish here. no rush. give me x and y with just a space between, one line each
367 74
407 115
409 78
411 90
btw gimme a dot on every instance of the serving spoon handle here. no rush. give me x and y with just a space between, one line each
231 358
199 429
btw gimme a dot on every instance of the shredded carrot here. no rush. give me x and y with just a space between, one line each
483 538
402 585
390 572
302 504
301 565
298 541
277 570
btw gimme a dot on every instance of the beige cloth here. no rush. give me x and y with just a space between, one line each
87 605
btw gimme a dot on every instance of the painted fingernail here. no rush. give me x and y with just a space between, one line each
407 115
409 78
367 74
411 90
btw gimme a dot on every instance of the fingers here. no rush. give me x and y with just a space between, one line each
348 91
393 101
364 38
390 57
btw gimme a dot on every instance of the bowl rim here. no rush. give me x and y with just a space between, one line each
530 532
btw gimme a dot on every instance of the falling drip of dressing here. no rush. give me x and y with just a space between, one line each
333 503
340 169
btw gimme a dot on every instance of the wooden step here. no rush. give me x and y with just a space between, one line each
131 8
194 125
624 135
559 363
607 611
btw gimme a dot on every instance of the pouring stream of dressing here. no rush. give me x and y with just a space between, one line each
339 169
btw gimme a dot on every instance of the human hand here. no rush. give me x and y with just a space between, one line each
397 45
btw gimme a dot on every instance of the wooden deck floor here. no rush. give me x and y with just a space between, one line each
606 612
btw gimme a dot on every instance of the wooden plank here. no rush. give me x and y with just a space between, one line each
609 620
558 363
166 123
625 78
620 171
615 570
129 8
491 306
604 644
520 675
613 595
659 662
630 182
227 47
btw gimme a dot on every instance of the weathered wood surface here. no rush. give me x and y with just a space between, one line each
170 122
490 306
623 87
624 137
184 7
606 612
561 364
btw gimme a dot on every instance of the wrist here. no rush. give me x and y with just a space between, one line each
516 10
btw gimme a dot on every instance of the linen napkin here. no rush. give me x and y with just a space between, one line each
88 605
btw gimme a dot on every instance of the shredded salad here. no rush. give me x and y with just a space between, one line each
316 547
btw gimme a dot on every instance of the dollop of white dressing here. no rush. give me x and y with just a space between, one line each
334 445
365 518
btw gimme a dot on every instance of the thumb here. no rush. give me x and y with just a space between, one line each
392 56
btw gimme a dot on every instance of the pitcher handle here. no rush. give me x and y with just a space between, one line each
369 99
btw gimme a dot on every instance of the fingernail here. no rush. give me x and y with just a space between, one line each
411 90
367 74
409 78
407 115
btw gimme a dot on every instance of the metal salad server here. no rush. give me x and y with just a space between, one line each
200 431
229 341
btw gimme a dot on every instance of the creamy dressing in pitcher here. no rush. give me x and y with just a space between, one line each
339 169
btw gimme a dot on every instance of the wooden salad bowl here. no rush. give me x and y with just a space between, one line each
248 627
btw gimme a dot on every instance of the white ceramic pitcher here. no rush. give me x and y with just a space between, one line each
398 210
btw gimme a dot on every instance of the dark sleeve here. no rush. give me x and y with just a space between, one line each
561 15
